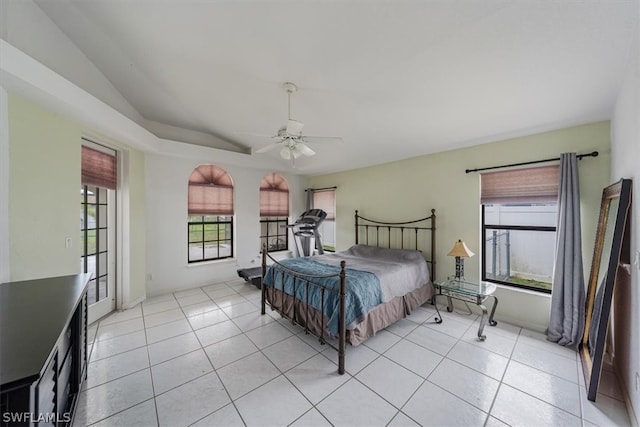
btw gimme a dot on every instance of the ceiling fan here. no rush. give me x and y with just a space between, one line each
289 138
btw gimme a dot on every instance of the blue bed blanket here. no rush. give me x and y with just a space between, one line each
363 289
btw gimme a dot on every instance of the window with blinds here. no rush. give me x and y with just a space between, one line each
326 200
210 214
519 215
99 168
274 212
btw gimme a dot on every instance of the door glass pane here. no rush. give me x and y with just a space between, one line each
91 216
102 288
91 194
102 263
91 242
91 264
91 292
102 240
95 240
102 215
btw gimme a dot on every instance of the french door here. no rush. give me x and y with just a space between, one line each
98 242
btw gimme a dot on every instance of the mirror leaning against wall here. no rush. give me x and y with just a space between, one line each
605 271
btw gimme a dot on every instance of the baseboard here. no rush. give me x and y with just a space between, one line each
627 401
500 318
132 304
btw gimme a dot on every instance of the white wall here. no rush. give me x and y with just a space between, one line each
132 231
167 177
625 163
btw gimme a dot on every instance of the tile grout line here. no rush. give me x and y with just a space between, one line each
124 376
153 389
231 400
528 393
293 334
501 382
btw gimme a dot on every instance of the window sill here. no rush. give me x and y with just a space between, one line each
522 291
280 255
212 262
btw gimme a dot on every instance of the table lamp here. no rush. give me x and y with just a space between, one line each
460 250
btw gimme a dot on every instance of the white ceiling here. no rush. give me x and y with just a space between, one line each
395 79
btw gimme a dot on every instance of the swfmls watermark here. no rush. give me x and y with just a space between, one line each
29 417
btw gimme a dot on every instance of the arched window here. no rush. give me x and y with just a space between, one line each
210 207
274 212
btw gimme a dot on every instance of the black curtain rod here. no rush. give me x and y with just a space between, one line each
320 189
579 156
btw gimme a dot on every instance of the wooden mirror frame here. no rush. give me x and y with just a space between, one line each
598 301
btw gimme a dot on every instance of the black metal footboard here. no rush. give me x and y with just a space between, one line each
301 312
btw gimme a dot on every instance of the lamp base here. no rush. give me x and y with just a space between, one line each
459 268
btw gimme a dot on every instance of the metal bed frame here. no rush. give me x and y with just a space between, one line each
402 235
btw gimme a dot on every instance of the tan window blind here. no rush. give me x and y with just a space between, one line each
528 185
210 191
274 196
98 168
325 200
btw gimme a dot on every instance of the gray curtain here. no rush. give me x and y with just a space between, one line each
566 324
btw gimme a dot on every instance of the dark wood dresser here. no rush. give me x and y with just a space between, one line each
43 349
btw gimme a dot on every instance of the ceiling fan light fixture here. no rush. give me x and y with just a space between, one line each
285 153
296 151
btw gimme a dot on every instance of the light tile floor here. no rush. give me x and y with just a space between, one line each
206 357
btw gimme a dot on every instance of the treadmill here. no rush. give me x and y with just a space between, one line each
304 229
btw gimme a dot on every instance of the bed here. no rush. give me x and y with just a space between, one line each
348 296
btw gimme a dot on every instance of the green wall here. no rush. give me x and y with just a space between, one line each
44 192
44 199
408 189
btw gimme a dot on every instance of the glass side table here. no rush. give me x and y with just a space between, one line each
474 292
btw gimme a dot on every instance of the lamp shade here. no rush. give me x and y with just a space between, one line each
461 250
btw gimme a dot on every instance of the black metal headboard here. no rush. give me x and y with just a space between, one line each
400 235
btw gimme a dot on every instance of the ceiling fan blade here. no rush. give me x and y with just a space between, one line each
294 127
304 149
269 147
322 139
